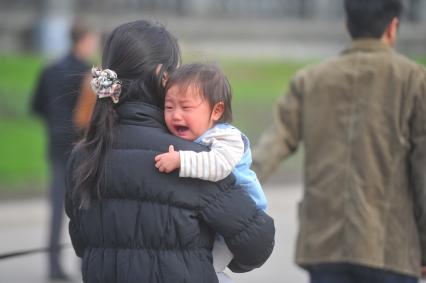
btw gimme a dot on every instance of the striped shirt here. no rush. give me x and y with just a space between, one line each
229 152
226 150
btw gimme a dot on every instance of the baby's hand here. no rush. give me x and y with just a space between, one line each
169 161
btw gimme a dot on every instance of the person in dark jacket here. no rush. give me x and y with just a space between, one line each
54 101
129 222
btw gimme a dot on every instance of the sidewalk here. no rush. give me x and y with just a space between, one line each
23 225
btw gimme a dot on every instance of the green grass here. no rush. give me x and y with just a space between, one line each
256 86
422 60
18 75
22 152
22 147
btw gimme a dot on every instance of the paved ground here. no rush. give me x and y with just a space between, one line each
280 267
23 226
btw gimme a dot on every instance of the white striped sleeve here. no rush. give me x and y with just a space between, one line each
226 150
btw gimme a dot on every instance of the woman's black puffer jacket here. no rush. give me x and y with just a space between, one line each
152 227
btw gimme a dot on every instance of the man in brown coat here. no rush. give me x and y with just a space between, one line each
362 119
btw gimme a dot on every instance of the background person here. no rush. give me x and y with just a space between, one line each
55 100
362 119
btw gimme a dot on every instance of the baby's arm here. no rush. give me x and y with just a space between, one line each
226 150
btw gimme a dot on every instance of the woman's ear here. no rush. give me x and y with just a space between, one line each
217 111
158 69
165 76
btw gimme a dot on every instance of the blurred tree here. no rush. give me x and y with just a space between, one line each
54 24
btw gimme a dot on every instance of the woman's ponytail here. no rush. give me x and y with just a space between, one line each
90 175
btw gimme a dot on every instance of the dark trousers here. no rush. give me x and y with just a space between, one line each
349 273
56 199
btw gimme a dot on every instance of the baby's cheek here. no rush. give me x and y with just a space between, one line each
168 122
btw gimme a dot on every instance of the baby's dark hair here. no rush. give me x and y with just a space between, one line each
211 82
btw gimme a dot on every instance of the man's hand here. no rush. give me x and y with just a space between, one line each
423 270
169 161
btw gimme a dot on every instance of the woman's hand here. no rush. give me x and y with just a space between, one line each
169 161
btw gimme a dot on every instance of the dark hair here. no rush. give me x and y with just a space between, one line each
209 80
78 31
134 51
370 18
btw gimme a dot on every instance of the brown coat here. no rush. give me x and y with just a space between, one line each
362 119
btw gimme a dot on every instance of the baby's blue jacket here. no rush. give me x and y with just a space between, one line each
245 177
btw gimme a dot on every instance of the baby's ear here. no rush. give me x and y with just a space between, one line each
218 110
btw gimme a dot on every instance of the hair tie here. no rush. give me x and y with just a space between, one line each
106 84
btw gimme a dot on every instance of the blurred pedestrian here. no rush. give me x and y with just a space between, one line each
55 101
362 119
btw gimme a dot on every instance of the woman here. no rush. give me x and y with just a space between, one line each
128 222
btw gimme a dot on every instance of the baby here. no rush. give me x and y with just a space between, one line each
198 108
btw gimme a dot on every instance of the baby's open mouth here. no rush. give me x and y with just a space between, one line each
181 129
